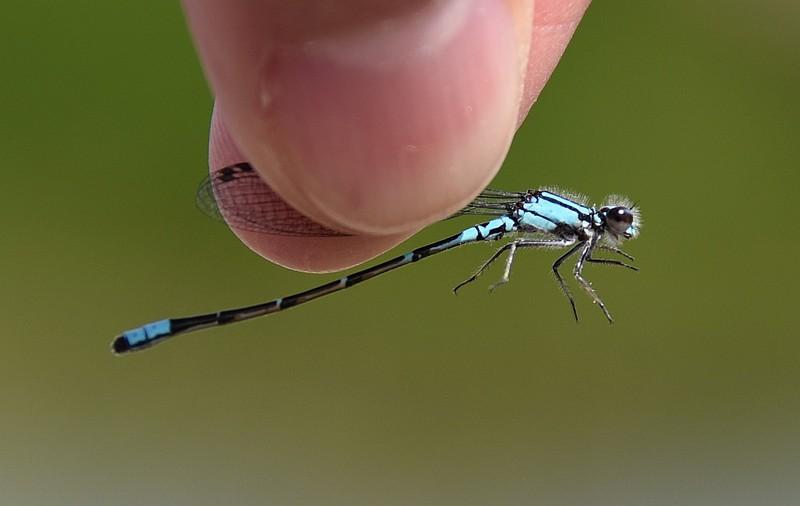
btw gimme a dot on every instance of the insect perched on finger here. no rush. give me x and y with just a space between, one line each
542 218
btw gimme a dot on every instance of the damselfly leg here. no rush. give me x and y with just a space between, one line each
483 267
609 261
616 250
512 247
587 286
561 283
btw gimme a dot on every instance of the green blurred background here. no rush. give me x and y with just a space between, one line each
691 398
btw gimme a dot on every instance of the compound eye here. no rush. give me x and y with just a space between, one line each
619 219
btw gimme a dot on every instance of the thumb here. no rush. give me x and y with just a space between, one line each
371 117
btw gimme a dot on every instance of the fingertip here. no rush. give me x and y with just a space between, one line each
380 128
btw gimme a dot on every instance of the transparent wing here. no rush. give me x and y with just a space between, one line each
239 197
492 202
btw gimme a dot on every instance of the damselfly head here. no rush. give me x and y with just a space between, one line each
622 218
619 221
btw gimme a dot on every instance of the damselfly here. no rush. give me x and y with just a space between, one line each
540 218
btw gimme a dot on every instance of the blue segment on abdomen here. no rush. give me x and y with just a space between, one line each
491 230
147 332
499 225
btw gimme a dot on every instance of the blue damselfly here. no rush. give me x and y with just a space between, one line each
541 218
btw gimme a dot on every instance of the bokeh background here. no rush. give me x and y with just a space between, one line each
397 392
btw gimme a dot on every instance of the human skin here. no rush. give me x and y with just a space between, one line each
372 117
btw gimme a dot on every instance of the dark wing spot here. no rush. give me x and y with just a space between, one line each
226 174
